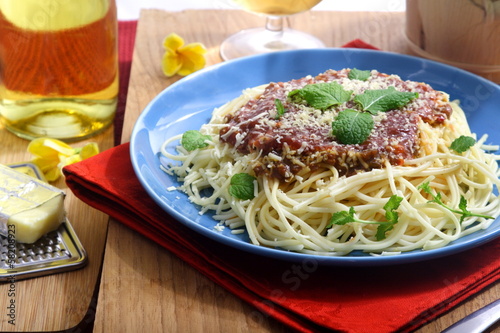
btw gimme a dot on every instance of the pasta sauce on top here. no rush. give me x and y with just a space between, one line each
301 138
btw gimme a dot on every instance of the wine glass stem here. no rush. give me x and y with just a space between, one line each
275 24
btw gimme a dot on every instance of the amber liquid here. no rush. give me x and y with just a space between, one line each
277 7
60 83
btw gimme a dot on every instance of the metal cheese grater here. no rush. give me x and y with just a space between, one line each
57 251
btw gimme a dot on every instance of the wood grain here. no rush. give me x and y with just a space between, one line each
60 301
474 44
146 288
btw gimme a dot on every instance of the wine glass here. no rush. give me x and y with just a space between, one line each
273 36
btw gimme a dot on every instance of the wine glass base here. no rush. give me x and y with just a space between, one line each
259 40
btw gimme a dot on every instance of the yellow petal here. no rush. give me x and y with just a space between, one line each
197 48
191 65
70 160
46 163
89 150
52 154
53 174
173 42
64 160
49 147
171 64
193 58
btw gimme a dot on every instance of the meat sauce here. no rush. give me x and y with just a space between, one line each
302 137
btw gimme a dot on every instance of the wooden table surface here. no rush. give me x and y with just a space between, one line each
144 288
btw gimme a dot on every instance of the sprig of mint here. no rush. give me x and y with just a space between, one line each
193 139
391 215
352 127
462 205
242 186
383 100
321 95
280 109
462 143
356 74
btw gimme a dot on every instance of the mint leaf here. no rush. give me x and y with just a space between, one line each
356 74
462 144
280 109
391 216
321 95
343 217
193 139
242 186
352 127
390 208
381 230
462 206
384 100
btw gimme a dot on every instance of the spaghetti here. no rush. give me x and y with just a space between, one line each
304 176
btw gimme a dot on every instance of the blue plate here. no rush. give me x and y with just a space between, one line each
188 104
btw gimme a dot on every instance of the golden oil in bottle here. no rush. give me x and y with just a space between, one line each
58 67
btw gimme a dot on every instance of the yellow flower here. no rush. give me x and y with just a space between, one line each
182 59
51 155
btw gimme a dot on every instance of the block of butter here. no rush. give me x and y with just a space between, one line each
29 207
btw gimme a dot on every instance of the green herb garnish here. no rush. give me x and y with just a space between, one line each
280 109
462 144
343 217
383 100
321 95
193 139
356 74
352 127
242 186
462 206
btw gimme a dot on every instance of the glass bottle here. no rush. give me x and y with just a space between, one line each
58 67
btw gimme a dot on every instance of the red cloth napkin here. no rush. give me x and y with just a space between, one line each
305 296
126 41
360 44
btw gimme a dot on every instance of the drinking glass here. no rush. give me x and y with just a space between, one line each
273 36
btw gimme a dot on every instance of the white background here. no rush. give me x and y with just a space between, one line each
129 9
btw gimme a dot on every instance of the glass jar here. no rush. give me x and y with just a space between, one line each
58 67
